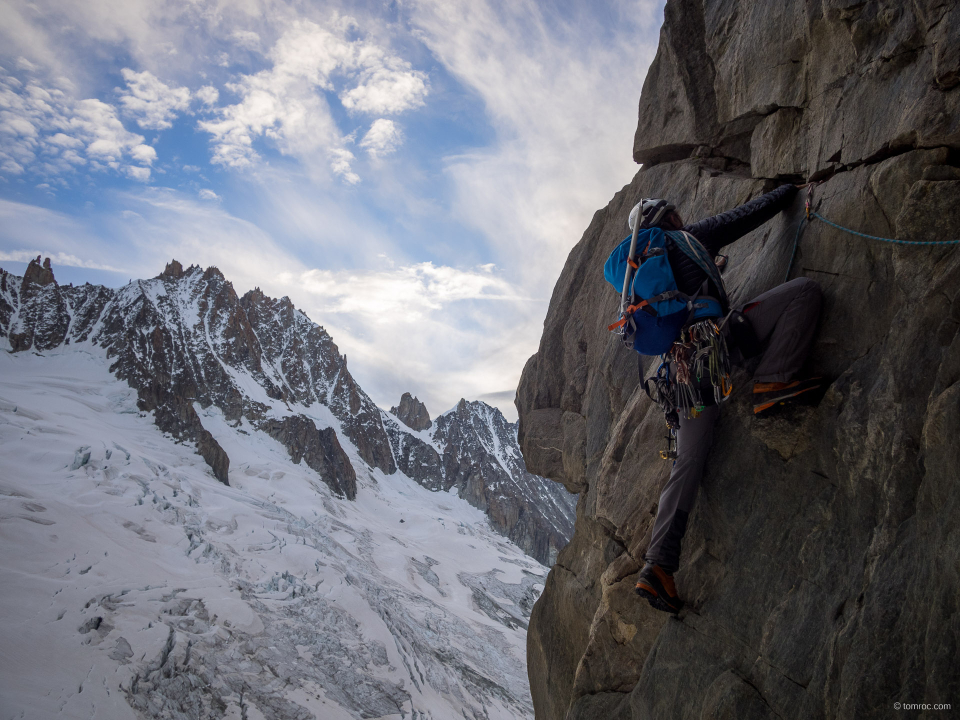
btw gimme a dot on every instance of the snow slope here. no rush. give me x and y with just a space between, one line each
134 584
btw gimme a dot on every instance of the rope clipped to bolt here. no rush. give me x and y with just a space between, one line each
812 214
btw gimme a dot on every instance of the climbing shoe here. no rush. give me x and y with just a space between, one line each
657 587
770 396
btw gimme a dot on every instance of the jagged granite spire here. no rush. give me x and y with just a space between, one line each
412 413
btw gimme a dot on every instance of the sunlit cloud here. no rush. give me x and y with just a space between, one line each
286 104
382 138
57 258
46 132
150 102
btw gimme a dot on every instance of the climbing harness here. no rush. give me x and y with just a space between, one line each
700 359
811 214
656 318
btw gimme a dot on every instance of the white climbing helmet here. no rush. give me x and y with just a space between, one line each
652 209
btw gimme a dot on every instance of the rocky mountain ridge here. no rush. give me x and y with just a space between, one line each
186 340
821 568
474 450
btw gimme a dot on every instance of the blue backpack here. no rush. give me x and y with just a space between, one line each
655 309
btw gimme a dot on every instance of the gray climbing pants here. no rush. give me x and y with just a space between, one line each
785 321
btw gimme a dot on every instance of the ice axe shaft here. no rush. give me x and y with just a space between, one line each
629 271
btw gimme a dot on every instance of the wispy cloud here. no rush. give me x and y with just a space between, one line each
286 104
413 290
58 258
561 92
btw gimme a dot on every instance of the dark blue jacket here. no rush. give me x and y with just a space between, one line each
719 230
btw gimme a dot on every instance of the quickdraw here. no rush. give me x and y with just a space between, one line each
699 358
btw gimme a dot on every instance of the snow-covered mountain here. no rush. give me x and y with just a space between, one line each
185 339
325 575
473 450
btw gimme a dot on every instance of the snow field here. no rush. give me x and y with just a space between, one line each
309 604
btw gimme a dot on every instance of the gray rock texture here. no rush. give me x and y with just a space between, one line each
821 569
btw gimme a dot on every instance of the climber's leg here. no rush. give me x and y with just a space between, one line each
680 493
785 321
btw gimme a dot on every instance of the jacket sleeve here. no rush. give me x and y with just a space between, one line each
719 230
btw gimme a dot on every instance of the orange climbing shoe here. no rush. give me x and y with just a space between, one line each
769 396
657 587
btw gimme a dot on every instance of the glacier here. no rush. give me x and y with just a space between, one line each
135 584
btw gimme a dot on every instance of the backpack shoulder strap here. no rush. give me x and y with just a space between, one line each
694 249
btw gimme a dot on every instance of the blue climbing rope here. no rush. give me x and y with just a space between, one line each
888 240
811 214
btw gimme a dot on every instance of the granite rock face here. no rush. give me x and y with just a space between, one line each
320 449
474 450
412 413
821 568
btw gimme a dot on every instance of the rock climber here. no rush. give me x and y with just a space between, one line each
778 325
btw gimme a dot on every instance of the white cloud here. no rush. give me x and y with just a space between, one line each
286 103
57 258
387 86
140 174
45 131
150 102
340 164
382 138
561 93
143 154
208 95
208 195
413 290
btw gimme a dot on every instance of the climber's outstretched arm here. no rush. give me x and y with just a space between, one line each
719 230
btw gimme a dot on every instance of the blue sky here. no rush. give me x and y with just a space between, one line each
411 174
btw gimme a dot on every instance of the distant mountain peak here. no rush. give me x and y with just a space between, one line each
185 341
173 270
473 449
39 274
412 413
